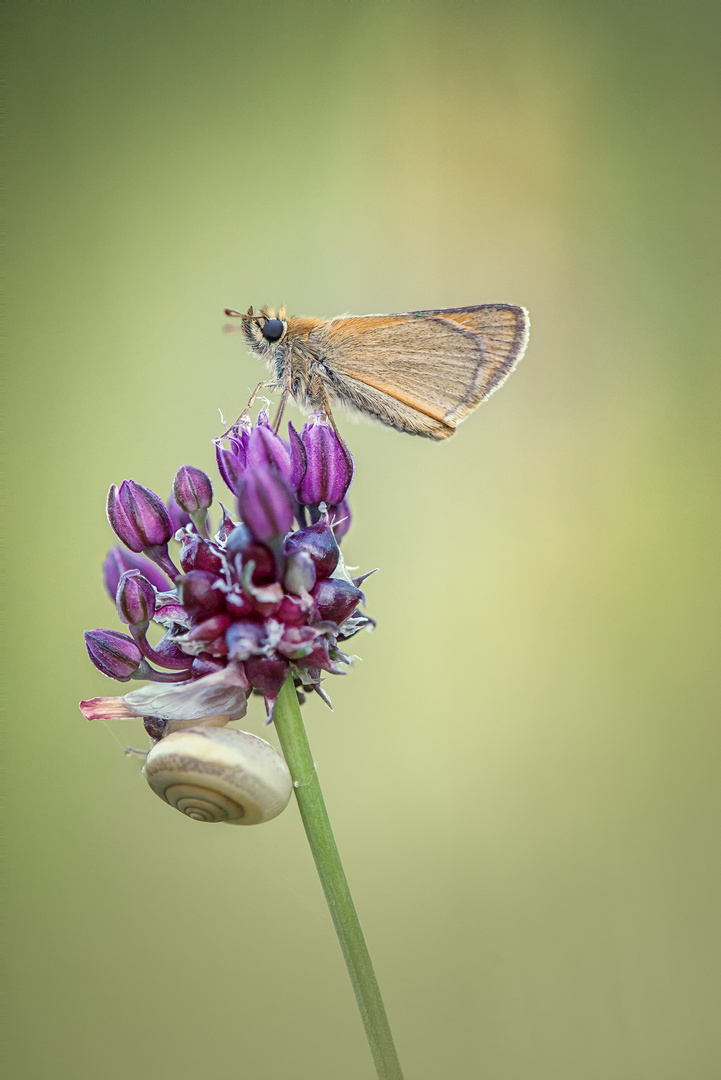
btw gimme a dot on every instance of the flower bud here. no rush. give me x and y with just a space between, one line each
266 675
267 448
232 460
297 642
245 639
292 611
330 465
229 467
265 503
226 526
198 595
135 599
116 655
169 612
298 458
196 553
336 599
299 573
212 632
319 542
192 489
205 664
320 657
118 560
138 516
238 605
241 549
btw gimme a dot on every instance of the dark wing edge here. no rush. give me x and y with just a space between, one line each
501 356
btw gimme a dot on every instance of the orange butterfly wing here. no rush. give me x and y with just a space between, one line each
437 365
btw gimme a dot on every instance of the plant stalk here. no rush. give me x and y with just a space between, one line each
294 742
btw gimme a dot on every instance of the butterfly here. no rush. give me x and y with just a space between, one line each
422 372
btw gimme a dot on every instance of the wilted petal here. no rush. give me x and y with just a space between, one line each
223 693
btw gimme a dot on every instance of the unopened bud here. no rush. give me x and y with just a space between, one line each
135 599
116 655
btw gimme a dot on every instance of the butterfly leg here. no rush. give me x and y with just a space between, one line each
325 406
253 396
281 409
261 386
287 392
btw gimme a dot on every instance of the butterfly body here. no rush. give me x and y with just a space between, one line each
420 372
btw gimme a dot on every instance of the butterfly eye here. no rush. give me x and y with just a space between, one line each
272 329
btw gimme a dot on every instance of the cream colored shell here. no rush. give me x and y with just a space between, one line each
219 774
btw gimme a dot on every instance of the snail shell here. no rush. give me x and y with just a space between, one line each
219 774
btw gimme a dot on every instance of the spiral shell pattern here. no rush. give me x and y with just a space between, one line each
219 774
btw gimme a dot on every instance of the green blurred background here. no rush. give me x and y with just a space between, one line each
521 773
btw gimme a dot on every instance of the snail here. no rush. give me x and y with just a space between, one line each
219 774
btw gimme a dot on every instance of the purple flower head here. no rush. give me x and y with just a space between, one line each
118 560
330 464
192 489
257 601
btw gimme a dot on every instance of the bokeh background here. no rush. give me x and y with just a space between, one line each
522 771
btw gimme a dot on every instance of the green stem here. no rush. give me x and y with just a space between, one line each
293 740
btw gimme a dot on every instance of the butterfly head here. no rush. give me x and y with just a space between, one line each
262 330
